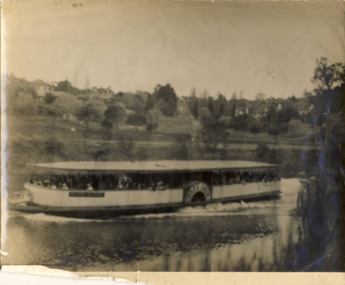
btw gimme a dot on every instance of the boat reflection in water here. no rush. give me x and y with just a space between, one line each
256 236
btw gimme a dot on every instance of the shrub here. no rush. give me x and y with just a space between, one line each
53 146
265 154
136 120
179 148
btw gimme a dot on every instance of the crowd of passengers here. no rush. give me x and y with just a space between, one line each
96 182
236 177
150 182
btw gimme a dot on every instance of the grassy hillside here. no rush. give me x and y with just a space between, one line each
42 138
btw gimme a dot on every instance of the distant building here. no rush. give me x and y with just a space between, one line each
260 110
242 108
303 106
42 88
104 93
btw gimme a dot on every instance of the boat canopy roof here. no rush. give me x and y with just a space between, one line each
151 166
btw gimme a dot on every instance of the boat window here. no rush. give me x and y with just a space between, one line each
151 181
177 180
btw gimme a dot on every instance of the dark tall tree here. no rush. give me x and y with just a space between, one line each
210 103
166 99
150 103
136 120
320 204
255 127
220 106
328 96
272 115
115 114
179 147
287 113
232 105
49 98
213 132
193 105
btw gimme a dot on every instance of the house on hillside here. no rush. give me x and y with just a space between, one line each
242 108
42 88
260 110
104 93
303 106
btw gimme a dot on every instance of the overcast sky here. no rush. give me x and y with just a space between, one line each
135 45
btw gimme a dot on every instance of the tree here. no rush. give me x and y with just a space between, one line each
210 105
115 114
240 122
219 106
260 97
49 98
212 133
274 130
107 125
150 103
287 113
232 105
293 99
272 115
255 127
54 147
66 86
126 146
21 96
134 102
265 154
166 99
320 203
136 120
179 148
294 126
195 109
65 104
92 111
327 97
193 104
204 114
24 104
153 117
226 121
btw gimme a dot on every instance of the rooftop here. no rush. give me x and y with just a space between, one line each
151 166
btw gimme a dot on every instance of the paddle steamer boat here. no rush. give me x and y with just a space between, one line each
106 188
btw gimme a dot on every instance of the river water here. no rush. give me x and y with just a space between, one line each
256 236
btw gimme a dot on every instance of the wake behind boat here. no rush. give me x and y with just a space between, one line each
89 188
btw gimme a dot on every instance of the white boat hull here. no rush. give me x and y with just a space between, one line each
122 199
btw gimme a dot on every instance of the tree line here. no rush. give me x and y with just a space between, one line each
216 115
98 105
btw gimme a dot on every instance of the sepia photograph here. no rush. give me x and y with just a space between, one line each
173 136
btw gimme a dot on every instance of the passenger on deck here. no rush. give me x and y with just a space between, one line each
64 186
123 182
119 185
89 187
160 185
223 179
238 178
152 186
